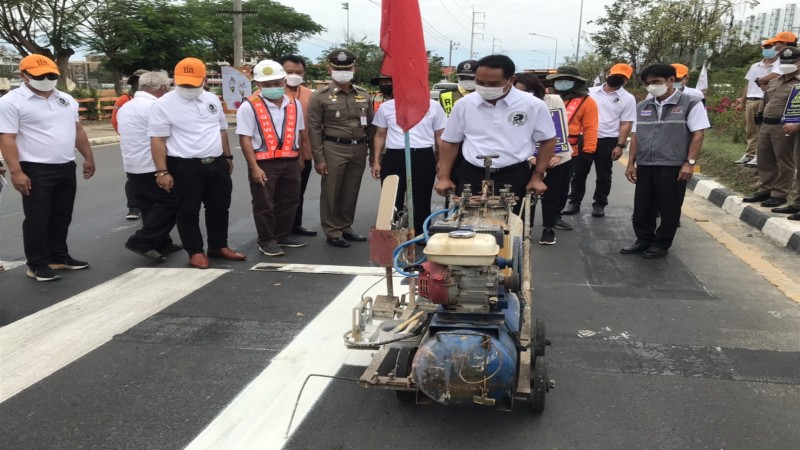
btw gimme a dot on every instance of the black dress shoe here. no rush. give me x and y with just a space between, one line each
354 237
794 217
572 208
757 197
637 247
598 211
339 242
655 253
303 231
786 210
773 202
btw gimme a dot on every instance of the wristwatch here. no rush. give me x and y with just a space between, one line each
229 157
622 146
691 162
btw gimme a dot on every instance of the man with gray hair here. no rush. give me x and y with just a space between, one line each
157 205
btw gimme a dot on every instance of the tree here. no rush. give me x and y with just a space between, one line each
435 63
590 65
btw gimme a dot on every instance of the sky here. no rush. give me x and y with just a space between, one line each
506 25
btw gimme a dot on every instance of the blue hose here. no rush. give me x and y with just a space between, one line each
422 238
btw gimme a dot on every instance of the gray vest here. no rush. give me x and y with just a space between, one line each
663 141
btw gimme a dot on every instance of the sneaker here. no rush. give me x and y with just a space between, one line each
561 224
71 264
290 241
548 237
598 211
752 163
743 160
42 274
271 249
133 214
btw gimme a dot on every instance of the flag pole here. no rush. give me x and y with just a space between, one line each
409 188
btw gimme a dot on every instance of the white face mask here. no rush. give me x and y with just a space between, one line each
491 93
188 93
43 85
787 68
657 90
467 85
294 80
342 76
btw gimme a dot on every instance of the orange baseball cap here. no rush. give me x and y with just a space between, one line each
783 36
38 65
190 71
680 70
621 69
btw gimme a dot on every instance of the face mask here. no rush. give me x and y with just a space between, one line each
769 53
491 93
188 93
467 85
342 76
678 85
294 80
787 68
43 85
615 81
273 93
657 90
563 85
386 89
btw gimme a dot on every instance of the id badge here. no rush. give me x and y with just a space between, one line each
363 117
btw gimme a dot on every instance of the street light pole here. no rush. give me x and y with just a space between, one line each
346 6
555 55
578 45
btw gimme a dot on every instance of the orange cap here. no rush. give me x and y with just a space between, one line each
621 69
783 36
680 70
38 65
190 71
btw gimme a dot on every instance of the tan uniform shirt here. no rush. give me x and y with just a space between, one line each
337 113
777 95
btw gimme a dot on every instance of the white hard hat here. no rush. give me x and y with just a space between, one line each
268 70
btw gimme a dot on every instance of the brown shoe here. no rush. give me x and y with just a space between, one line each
226 253
199 260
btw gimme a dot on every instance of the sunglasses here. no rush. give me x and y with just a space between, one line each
49 76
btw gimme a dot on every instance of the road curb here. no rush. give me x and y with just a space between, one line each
784 232
103 140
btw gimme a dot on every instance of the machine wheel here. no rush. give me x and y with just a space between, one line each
538 338
539 385
402 369
516 260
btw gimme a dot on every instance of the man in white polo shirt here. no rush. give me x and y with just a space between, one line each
192 155
156 205
425 138
39 131
500 120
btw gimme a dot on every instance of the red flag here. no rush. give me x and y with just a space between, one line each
405 59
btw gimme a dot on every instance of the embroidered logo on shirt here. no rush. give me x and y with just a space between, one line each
616 100
677 110
212 108
62 102
517 118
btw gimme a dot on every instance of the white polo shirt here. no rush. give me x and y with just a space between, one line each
45 127
508 129
613 107
192 127
133 119
420 135
758 70
246 122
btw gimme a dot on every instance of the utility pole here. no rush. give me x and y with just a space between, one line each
472 31
453 46
578 45
495 41
346 6
238 16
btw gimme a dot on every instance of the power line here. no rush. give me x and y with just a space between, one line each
453 16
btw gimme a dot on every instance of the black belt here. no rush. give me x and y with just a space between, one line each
772 120
755 98
207 160
510 168
346 141
412 149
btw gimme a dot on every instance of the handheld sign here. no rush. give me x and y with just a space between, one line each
562 146
792 112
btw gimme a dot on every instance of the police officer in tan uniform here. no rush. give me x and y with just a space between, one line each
338 120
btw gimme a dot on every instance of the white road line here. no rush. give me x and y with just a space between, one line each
320 268
36 346
258 416
8 265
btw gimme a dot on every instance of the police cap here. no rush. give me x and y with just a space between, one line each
377 80
341 58
466 67
790 55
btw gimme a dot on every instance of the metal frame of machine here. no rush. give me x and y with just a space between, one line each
463 334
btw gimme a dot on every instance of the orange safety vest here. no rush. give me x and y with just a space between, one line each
275 146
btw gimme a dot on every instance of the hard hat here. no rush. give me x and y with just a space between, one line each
268 70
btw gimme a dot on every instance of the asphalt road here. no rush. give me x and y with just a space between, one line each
696 350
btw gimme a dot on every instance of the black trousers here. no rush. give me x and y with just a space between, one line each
207 184
130 194
557 182
158 212
602 168
48 212
423 171
658 192
304 176
563 191
517 175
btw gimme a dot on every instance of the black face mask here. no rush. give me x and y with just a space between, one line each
386 89
615 81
